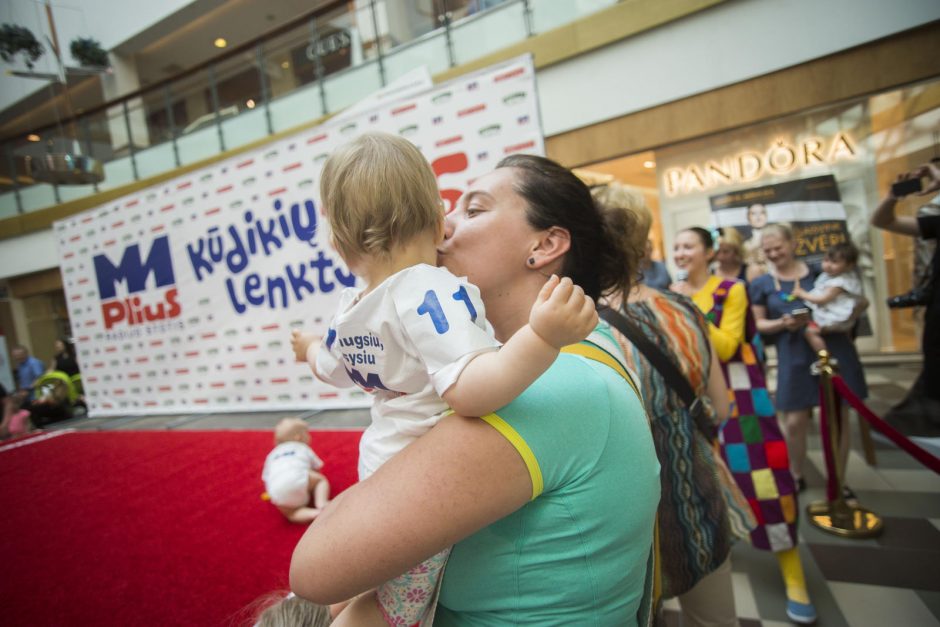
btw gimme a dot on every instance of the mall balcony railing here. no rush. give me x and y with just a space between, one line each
312 67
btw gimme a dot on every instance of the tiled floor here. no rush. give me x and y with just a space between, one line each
893 580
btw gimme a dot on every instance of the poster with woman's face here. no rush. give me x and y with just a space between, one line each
811 207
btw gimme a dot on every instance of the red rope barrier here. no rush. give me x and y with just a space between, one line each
842 389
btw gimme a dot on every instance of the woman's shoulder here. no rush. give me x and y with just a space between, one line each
760 288
738 289
671 319
667 301
723 288
562 422
764 282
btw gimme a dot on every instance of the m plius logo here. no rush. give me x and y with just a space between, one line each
134 273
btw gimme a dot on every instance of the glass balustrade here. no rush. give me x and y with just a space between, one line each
321 66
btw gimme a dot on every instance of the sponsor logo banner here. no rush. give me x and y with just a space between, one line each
182 296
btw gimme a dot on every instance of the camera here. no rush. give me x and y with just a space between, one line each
906 187
920 296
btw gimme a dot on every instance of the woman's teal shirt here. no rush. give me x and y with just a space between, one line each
577 553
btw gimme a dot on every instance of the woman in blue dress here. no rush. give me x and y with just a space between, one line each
797 389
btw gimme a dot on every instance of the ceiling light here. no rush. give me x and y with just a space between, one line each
33 137
285 64
250 103
220 43
649 164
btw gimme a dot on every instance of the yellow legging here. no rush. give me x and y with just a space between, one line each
792 570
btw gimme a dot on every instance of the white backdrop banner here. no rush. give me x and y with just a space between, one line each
182 295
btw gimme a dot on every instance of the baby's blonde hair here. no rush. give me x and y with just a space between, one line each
288 429
378 192
291 611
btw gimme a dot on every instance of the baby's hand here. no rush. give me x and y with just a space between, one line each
562 313
301 342
798 291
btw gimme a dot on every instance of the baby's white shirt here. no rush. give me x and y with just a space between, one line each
405 342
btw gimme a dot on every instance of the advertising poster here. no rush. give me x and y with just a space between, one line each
812 207
182 296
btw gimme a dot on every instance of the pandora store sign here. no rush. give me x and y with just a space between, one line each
780 158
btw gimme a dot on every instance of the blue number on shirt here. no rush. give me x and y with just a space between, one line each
432 307
462 294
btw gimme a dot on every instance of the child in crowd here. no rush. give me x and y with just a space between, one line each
288 610
15 419
834 295
416 334
290 473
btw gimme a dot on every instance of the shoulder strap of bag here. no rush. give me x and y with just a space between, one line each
669 371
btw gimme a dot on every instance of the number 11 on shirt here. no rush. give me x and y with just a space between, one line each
432 307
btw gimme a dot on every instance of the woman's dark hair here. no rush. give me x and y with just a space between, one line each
708 240
845 251
601 259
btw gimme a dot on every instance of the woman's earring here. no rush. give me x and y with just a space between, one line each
531 261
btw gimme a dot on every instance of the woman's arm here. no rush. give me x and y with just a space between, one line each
456 479
885 218
717 388
727 336
767 326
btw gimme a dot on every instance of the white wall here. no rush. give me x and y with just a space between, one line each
729 43
28 253
111 22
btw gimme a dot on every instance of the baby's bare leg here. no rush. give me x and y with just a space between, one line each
300 515
319 486
814 337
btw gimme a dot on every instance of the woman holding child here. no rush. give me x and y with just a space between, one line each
774 298
548 502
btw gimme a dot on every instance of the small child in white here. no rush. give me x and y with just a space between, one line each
834 296
415 336
290 473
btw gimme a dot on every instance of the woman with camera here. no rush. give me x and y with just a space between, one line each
925 180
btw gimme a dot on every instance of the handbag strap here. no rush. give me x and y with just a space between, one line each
665 366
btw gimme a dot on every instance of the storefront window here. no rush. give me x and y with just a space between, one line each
823 171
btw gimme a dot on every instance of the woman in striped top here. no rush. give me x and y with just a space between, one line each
692 516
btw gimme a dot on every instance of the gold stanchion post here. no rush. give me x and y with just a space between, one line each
838 517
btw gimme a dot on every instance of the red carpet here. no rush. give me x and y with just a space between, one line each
146 528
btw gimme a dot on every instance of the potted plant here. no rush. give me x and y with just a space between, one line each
88 53
17 39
